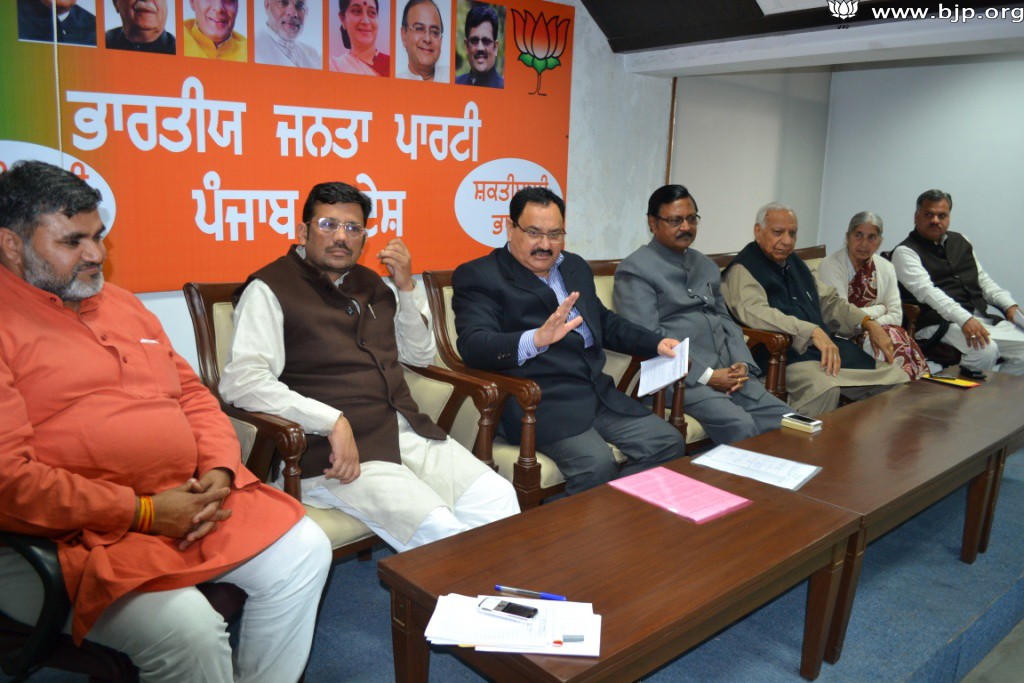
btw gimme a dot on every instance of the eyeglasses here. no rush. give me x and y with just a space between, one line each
675 221
556 236
329 226
477 40
420 29
871 238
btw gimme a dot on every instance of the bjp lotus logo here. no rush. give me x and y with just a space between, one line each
843 9
541 42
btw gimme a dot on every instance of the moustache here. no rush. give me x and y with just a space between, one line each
686 234
146 5
538 251
480 54
88 264
342 246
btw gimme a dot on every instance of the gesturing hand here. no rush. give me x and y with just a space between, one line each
555 327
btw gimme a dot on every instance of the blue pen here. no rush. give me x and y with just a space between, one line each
529 594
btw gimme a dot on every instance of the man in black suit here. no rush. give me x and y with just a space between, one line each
530 310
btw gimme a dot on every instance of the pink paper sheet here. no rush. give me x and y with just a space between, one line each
680 494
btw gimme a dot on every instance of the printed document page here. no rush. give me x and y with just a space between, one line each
769 469
661 371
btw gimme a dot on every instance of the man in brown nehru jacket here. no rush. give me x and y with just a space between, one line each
319 340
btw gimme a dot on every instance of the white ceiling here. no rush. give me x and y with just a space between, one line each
910 39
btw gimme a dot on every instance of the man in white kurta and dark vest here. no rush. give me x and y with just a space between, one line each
768 287
939 271
319 340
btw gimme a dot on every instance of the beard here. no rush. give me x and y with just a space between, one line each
41 274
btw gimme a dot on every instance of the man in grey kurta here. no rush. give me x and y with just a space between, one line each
770 288
673 289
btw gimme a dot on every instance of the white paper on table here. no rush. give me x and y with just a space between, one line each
766 468
457 621
661 371
588 625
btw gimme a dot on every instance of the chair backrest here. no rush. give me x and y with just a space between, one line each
616 363
811 255
212 313
439 296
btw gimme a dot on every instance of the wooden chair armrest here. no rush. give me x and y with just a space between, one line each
273 434
41 553
777 345
773 341
525 391
527 394
486 399
910 315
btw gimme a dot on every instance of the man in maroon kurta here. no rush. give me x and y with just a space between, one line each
97 412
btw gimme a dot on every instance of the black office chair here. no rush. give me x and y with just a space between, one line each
26 648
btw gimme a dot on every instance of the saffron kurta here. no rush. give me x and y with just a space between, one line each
95 408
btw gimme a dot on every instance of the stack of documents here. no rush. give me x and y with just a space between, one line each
560 628
769 469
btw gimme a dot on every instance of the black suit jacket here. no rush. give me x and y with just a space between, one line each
496 299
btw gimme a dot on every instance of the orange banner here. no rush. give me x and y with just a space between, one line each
205 163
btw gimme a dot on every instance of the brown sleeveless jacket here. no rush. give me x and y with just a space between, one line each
341 350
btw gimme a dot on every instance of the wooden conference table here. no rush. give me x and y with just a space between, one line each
663 584
893 455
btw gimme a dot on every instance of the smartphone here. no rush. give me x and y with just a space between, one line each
506 609
797 417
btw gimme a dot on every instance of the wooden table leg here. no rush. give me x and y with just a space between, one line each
978 502
821 604
411 651
990 513
847 589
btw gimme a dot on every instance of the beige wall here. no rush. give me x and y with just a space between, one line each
744 140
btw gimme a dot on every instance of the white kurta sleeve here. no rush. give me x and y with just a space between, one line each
413 331
250 378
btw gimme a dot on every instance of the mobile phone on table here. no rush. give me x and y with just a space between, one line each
508 610
802 419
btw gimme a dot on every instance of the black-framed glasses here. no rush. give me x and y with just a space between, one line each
478 40
419 29
675 221
329 226
555 236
